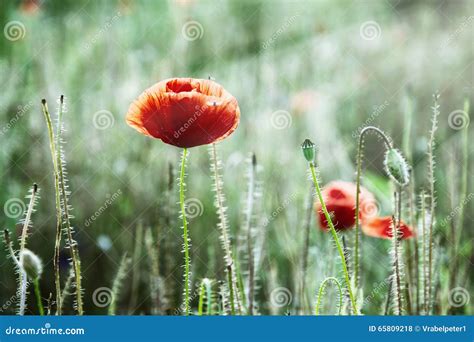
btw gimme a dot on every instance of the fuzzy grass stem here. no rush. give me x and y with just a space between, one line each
57 243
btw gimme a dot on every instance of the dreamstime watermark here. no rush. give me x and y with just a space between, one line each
377 110
46 330
279 209
14 208
14 30
458 119
460 29
369 208
458 297
376 290
102 297
108 202
193 208
103 119
21 110
100 32
286 24
456 210
198 111
12 300
281 119
281 297
192 30
370 30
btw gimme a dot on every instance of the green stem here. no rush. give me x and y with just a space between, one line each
185 233
396 224
202 292
357 209
57 244
38 296
76 263
231 290
335 237
321 294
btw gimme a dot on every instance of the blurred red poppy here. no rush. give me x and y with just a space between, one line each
340 200
185 112
381 227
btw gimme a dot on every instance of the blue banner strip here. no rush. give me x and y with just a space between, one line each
264 328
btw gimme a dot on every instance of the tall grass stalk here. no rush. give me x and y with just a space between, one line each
66 209
136 257
205 297
57 243
117 283
431 180
24 235
21 286
154 278
224 229
397 273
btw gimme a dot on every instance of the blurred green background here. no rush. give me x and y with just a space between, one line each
299 69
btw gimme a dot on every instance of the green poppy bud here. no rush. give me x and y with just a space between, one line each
32 264
396 167
309 150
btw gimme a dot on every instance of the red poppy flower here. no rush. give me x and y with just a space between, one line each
185 112
381 227
340 200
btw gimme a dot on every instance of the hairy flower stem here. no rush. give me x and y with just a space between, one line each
388 145
224 233
76 263
431 178
38 296
187 309
396 224
321 294
57 244
335 237
24 235
231 290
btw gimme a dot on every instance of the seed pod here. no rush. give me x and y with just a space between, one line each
32 264
396 167
309 150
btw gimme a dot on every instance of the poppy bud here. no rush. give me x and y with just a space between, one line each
396 166
309 150
32 264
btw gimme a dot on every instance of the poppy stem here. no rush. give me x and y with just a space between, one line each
335 237
57 244
396 225
185 232
38 296
321 294
388 145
